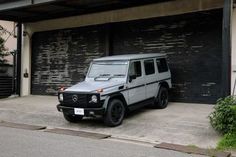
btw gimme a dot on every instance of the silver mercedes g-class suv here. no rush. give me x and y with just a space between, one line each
115 85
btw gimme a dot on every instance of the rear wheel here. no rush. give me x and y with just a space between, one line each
162 98
72 118
115 113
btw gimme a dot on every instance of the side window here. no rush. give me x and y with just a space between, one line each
135 69
149 67
162 65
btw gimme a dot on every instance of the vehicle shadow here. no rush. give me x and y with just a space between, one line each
138 112
97 122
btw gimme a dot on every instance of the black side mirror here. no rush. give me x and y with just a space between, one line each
85 72
84 76
132 77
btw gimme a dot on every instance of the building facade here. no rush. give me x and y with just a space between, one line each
199 37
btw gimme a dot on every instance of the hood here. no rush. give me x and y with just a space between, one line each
87 86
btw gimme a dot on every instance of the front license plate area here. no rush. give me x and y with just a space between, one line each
79 111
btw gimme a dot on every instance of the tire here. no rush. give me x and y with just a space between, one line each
72 118
162 99
115 113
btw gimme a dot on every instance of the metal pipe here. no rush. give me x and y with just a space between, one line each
18 58
13 53
234 86
226 47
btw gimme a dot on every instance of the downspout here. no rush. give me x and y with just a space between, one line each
18 57
226 48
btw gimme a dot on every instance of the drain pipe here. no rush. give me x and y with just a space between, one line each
18 58
226 47
234 86
14 79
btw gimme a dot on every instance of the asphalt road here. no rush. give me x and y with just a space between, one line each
25 143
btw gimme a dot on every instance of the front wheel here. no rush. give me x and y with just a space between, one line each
72 118
162 98
115 113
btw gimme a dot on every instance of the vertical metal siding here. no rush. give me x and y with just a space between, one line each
60 57
5 86
193 44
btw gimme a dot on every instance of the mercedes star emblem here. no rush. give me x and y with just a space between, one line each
75 98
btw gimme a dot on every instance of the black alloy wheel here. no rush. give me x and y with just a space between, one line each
115 113
162 98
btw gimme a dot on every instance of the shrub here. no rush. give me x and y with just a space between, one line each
227 142
223 118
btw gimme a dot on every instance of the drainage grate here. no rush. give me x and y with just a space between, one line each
192 150
21 126
78 133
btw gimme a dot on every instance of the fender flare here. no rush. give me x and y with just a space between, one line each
162 83
117 95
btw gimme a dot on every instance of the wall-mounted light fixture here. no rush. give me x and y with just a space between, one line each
26 74
25 33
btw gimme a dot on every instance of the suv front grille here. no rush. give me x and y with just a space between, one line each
80 100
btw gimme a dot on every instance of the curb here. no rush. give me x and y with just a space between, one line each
193 150
21 126
77 133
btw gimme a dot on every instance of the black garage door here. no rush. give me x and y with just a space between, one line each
193 43
59 57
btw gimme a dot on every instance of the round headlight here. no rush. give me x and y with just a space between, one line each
61 97
94 99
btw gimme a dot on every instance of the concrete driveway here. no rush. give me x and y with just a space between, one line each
179 123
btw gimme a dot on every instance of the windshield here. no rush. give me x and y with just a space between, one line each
108 69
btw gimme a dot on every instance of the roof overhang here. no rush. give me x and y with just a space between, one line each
36 10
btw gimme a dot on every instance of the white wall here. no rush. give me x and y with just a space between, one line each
141 12
26 61
233 61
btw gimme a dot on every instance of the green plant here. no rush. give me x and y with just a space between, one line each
227 142
223 118
3 51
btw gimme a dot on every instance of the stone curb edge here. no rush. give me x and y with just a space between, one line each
193 150
21 126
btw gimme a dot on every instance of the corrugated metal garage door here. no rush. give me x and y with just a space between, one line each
193 43
59 57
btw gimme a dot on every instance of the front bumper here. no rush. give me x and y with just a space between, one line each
87 111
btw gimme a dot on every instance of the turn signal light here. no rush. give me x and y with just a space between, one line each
62 89
99 90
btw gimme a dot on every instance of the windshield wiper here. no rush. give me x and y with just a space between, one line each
109 76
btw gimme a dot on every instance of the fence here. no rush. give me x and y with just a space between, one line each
5 86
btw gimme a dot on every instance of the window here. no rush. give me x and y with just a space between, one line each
135 69
149 67
108 68
162 65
